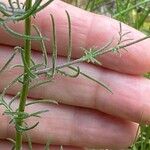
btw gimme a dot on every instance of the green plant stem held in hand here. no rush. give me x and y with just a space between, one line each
25 87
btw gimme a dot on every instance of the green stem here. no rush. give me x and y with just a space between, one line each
25 87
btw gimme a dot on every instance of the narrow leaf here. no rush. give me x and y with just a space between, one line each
18 4
11 4
9 85
11 140
4 12
36 114
91 78
8 61
43 6
69 49
77 72
13 99
23 129
18 35
42 101
43 47
54 46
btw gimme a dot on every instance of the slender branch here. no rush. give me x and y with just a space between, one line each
42 71
98 52
125 45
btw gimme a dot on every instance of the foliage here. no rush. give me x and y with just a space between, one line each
32 71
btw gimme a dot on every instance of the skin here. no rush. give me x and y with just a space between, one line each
88 115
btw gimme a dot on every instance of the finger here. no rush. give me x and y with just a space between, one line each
7 146
67 125
130 93
88 30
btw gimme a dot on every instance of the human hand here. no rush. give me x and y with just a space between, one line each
87 114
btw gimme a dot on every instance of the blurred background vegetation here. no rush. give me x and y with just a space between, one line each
135 13
132 12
